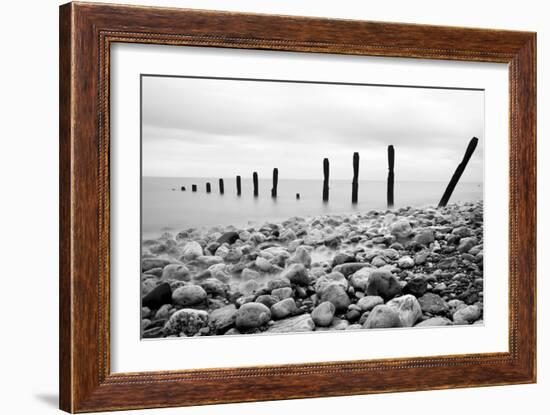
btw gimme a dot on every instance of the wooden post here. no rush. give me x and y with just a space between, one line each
325 179
238 185
458 172
221 186
355 183
193 187
275 182
208 187
183 188
255 182
391 159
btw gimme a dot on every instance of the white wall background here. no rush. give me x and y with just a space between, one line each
29 229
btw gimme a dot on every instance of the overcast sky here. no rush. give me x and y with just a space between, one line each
221 128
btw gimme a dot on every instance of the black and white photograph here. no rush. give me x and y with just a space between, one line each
282 206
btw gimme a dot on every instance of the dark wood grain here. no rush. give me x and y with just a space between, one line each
86 33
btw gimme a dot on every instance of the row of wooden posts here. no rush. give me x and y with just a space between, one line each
355 182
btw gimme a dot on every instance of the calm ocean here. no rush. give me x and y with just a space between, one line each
167 210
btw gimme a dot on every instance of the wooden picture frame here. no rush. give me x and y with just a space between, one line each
86 33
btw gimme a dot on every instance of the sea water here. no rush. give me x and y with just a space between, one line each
165 208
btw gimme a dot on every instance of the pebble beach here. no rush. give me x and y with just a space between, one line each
407 267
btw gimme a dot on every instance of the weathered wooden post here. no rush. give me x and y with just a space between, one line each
355 183
255 183
325 179
208 187
238 185
275 182
182 188
221 186
458 172
193 187
391 159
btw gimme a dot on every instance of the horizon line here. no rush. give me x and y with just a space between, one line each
308 179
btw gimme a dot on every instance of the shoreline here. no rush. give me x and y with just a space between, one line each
405 267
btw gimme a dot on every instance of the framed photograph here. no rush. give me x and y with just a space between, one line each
258 207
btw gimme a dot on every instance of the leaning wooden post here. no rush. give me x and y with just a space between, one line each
193 187
255 182
325 179
275 182
221 186
458 172
238 185
355 183
208 187
391 159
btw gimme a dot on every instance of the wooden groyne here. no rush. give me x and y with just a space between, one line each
391 160
326 173
458 172
255 183
355 182
275 182
238 185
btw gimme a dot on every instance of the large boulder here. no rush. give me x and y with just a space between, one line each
433 304
228 238
191 250
382 317
214 286
252 315
401 229
187 321
383 283
297 274
332 278
407 308
466 244
176 272
282 293
360 279
342 258
424 237
148 283
158 296
337 295
295 324
368 302
435 322
416 286
189 295
223 318
467 315
405 262
283 308
323 314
